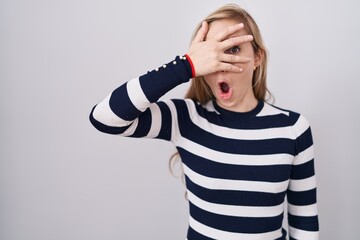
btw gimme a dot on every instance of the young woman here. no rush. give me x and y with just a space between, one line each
241 155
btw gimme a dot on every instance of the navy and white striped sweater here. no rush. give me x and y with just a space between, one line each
238 166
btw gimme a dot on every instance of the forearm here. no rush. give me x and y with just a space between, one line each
126 103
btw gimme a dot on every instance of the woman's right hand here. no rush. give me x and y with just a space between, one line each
208 56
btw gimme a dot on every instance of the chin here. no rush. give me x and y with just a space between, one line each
225 103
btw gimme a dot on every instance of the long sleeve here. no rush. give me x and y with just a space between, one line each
302 203
132 109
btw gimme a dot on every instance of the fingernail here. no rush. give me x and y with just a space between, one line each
241 24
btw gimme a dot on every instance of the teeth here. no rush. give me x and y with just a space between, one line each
224 87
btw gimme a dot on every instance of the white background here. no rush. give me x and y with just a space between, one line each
61 179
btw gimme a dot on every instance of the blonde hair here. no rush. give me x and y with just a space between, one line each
200 92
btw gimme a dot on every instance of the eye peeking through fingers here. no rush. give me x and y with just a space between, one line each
233 50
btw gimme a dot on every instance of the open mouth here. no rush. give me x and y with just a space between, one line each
225 90
224 87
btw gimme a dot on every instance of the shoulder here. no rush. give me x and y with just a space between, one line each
296 120
182 107
273 110
181 104
191 108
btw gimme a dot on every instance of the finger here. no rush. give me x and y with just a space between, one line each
230 58
228 67
201 34
228 31
231 42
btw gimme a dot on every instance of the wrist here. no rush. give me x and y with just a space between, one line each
193 73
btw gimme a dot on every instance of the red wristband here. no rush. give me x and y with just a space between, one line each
191 65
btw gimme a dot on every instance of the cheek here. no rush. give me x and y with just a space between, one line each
210 80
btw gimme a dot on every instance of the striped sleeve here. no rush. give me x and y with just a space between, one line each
132 109
301 194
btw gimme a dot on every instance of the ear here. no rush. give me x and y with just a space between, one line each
258 57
